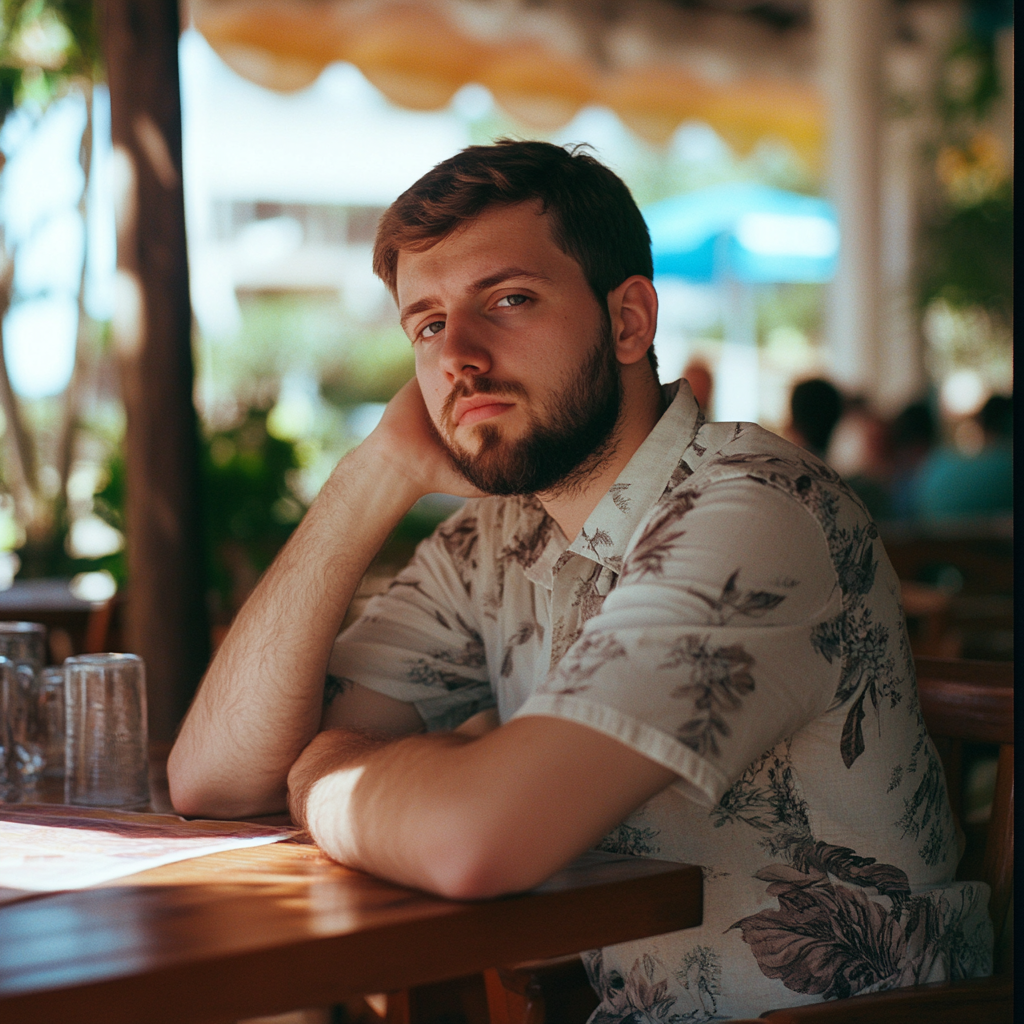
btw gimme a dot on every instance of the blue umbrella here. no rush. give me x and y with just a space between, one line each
739 236
743 232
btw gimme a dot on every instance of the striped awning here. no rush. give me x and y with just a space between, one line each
657 65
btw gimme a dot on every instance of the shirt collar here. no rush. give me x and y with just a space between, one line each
606 533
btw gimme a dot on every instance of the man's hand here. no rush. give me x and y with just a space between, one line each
406 436
480 724
331 753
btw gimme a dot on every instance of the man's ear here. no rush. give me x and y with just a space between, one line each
633 311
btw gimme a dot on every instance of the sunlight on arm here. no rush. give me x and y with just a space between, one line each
326 812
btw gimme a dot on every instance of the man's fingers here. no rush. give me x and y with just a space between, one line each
406 428
480 723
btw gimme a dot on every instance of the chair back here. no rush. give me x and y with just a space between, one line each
973 701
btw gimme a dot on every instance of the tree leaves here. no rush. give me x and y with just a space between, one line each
43 45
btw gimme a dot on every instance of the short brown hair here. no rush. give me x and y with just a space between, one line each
594 219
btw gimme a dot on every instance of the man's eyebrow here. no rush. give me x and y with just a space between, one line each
507 274
504 274
416 307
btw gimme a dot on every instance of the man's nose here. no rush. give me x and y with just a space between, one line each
465 353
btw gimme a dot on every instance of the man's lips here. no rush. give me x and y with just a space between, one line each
480 407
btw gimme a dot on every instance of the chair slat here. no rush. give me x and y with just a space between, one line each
967 700
964 670
998 870
979 999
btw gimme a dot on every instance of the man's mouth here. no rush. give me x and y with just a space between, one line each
477 408
484 411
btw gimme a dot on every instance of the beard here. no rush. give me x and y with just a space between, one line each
563 445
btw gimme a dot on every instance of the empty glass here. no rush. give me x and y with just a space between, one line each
10 706
50 730
107 754
24 644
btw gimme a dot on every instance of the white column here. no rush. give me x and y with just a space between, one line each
851 41
737 376
901 375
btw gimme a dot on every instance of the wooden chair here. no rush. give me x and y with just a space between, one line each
974 561
962 701
929 622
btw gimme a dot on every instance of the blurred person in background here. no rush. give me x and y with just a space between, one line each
815 407
957 484
912 437
698 375
859 452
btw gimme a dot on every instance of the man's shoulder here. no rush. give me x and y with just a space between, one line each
745 452
494 524
721 451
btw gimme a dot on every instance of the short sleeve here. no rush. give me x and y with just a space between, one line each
419 642
707 652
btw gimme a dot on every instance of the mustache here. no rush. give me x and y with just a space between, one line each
479 386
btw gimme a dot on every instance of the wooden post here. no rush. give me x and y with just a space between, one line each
166 610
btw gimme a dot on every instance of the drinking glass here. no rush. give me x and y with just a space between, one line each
50 721
10 705
106 754
24 644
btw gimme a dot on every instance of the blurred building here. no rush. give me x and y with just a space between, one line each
283 191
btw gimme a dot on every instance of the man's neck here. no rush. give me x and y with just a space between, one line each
642 406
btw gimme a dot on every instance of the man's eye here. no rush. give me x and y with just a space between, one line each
511 300
435 327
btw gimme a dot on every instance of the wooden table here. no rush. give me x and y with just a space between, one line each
269 929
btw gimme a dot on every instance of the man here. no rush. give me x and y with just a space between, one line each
689 631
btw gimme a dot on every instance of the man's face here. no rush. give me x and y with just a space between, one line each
513 353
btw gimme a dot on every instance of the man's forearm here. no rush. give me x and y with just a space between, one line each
261 700
379 803
468 816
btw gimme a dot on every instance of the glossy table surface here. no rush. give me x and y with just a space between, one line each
273 928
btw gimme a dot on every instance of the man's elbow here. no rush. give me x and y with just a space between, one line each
195 794
478 868
189 795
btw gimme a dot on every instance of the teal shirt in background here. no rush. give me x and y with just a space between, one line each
952 485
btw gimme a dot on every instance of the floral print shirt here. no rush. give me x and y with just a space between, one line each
728 611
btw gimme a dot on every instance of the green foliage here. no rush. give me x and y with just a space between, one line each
357 362
108 505
371 370
250 507
967 241
47 48
44 44
792 305
969 255
969 85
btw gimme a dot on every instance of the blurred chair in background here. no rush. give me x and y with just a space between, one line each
972 562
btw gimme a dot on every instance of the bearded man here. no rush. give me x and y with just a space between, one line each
643 631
